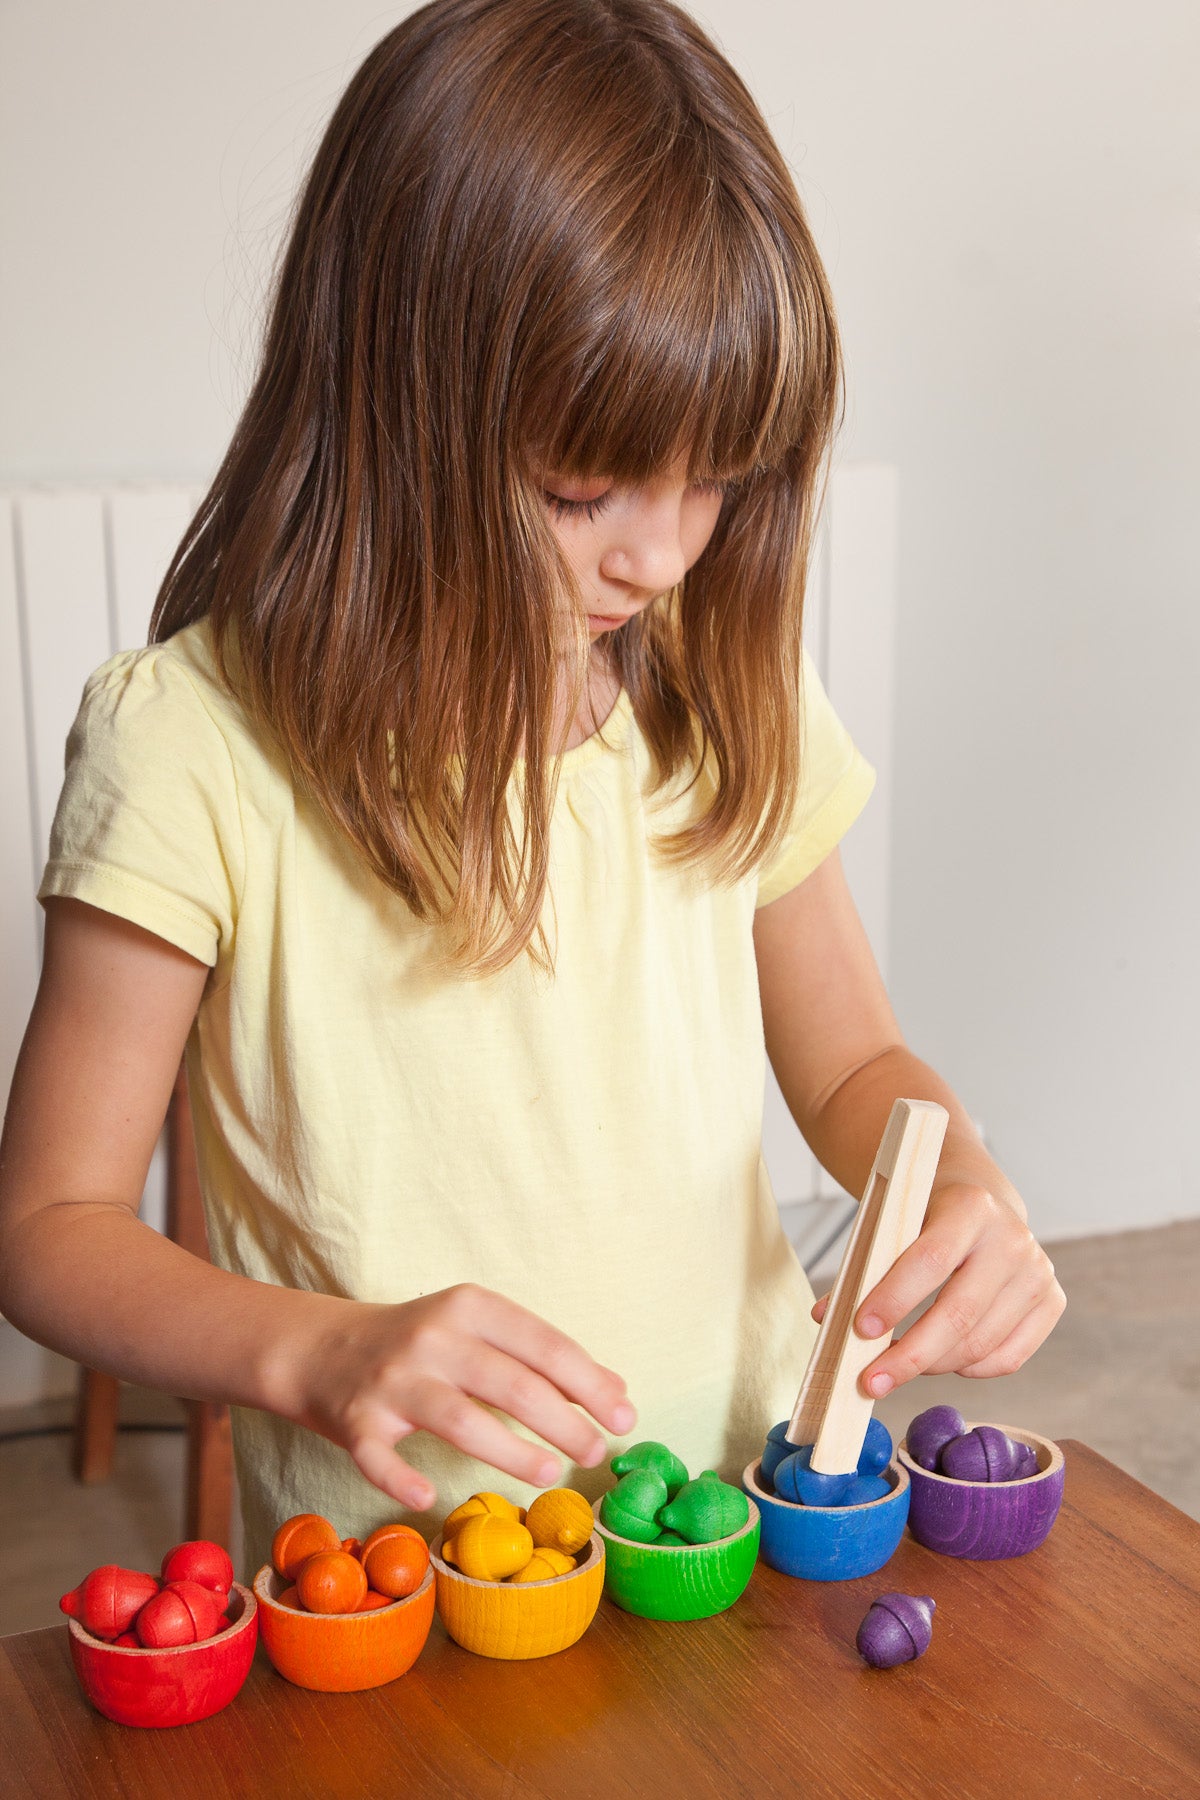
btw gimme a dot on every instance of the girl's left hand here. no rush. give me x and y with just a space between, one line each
998 1302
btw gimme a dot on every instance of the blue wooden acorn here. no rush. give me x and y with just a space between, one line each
797 1480
877 1448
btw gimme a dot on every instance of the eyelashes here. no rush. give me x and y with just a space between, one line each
590 509
577 509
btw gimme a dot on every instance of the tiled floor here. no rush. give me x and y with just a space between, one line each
1122 1372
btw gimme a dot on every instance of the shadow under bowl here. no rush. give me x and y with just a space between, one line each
514 1621
168 1687
986 1520
830 1543
342 1653
679 1581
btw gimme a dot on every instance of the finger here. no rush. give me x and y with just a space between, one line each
499 1380
1014 1301
542 1347
381 1465
1021 1343
445 1410
920 1270
820 1308
963 1303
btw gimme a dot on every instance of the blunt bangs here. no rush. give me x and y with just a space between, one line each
703 340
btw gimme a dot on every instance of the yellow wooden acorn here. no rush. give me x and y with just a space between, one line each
488 1548
545 1564
560 1519
484 1502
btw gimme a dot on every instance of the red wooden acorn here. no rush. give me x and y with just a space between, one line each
183 1613
201 1561
107 1601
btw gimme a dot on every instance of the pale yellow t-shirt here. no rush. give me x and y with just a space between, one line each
589 1145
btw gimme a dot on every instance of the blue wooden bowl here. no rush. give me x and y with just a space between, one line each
830 1543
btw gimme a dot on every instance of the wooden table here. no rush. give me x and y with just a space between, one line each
1072 1671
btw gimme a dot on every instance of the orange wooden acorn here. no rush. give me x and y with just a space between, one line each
107 1601
331 1581
395 1565
387 1531
298 1538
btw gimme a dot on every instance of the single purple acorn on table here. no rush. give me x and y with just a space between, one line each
984 1454
930 1432
897 1629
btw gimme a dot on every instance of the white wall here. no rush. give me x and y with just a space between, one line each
1008 199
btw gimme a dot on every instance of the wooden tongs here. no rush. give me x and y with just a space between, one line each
831 1411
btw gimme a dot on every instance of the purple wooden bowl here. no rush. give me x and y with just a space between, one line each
986 1520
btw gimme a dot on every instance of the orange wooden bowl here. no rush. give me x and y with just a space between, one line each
168 1687
340 1653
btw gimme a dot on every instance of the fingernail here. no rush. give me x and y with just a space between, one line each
881 1384
871 1326
422 1498
595 1455
624 1418
548 1472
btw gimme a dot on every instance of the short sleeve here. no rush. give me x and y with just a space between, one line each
835 783
148 824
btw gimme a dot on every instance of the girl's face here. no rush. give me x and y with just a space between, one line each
628 545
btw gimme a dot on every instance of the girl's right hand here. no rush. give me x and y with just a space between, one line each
436 1364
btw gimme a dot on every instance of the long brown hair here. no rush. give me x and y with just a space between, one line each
536 234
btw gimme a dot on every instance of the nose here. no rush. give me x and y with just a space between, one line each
647 551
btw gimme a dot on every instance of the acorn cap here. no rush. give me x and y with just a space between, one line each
630 1509
652 1455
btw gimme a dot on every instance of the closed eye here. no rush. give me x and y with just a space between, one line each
579 508
590 508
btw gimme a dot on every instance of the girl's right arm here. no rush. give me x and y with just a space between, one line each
81 1273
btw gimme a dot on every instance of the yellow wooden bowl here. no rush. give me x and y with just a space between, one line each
513 1621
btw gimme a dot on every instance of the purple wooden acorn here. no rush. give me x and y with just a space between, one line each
897 1629
930 1431
984 1454
1027 1462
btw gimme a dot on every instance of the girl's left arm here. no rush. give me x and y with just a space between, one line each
841 1062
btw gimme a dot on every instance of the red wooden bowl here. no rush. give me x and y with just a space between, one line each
342 1653
168 1687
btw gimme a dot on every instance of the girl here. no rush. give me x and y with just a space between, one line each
472 818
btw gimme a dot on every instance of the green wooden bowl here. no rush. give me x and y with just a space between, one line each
685 1581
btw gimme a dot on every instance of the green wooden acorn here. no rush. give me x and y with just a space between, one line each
705 1510
631 1507
652 1455
669 1540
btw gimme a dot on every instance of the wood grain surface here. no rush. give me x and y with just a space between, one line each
1072 1671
